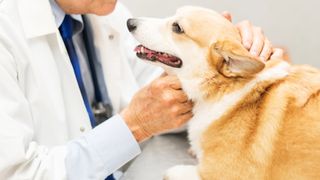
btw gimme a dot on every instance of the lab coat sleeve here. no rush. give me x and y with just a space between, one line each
92 156
20 156
104 150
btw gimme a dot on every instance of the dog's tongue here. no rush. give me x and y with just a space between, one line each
152 55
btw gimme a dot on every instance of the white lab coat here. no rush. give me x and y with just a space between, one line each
40 104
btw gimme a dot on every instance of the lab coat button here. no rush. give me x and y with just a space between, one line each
111 36
82 129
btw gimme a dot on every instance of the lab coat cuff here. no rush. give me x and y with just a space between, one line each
113 140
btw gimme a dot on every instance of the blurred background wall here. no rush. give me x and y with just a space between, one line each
294 24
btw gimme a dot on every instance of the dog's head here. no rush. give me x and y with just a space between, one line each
194 40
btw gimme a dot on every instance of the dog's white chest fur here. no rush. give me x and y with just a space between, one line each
206 112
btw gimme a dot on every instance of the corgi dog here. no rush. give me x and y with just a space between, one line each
252 119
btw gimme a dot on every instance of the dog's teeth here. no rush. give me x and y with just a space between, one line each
142 50
153 58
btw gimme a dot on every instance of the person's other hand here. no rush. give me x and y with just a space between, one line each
255 41
159 107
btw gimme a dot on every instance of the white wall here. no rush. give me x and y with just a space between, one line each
294 24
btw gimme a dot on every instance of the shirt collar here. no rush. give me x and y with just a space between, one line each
59 15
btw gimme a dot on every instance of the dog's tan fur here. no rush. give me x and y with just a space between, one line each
272 134
272 128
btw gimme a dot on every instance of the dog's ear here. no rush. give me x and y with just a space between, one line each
238 62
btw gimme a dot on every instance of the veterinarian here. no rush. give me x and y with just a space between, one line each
62 74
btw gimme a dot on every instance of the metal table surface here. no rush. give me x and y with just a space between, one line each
159 154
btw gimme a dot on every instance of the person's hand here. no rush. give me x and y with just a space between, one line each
159 107
255 41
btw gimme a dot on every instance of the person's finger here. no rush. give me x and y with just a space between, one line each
172 97
185 117
277 53
167 81
227 15
186 107
266 51
258 42
182 108
174 82
179 95
164 74
246 31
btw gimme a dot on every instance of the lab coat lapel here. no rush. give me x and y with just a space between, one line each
38 22
106 45
37 17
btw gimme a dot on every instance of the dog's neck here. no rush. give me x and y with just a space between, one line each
210 86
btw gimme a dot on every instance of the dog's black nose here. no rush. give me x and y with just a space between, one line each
132 24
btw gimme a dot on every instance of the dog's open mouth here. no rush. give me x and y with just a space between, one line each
151 55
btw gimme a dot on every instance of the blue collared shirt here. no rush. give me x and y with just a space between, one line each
57 12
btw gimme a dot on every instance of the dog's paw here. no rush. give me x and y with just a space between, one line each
182 172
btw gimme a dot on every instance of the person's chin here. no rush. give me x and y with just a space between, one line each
102 11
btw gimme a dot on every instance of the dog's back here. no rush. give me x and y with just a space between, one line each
274 133
296 153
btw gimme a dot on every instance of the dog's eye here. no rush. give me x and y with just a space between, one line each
177 28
